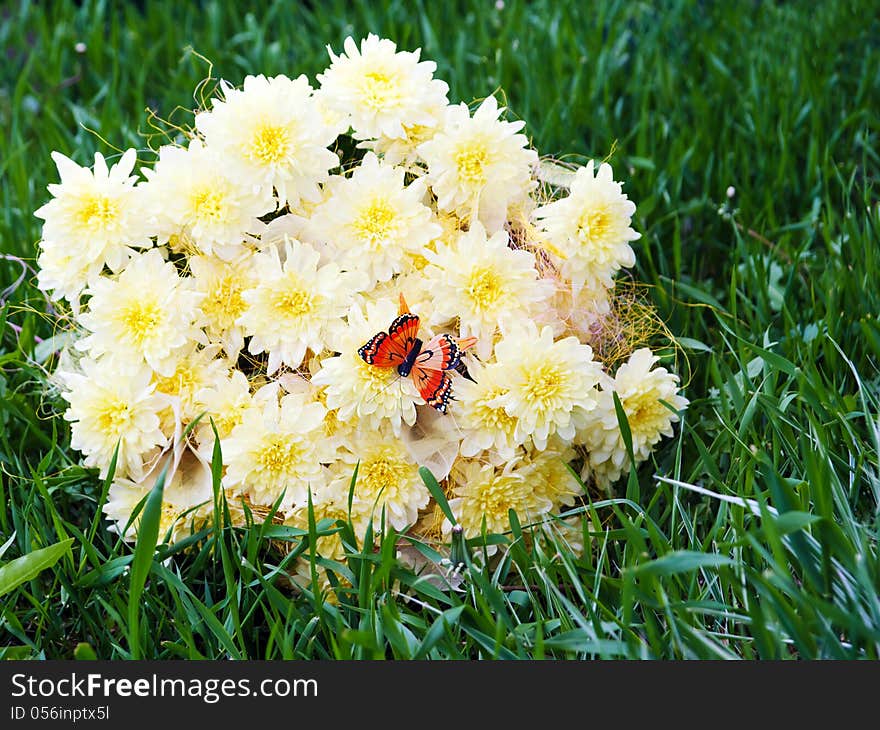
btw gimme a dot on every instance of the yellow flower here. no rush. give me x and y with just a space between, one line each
387 478
640 390
485 284
274 453
552 384
65 271
193 372
145 315
486 493
591 226
222 285
108 407
224 401
380 90
271 134
550 475
479 166
485 423
403 151
95 215
372 220
193 195
297 305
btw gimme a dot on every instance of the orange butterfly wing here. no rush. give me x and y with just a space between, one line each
389 349
434 386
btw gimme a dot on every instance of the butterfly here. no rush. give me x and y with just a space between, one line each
401 347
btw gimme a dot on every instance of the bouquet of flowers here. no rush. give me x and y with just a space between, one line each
328 287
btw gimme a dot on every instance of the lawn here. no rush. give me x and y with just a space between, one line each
746 132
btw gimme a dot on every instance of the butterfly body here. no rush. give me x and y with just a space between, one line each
401 348
405 368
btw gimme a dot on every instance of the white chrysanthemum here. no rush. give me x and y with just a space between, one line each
98 214
418 292
404 151
382 91
484 493
224 401
66 270
373 220
274 451
387 477
591 226
550 475
109 407
145 315
196 370
192 194
335 120
335 430
296 305
222 285
640 390
485 284
552 384
270 134
354 388
485 423
479 166
187 489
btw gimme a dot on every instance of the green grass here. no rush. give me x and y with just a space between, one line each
754 531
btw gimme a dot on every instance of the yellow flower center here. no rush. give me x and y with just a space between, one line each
279 454
208 205
544 383
595 224
114 417
228 420
375 379
375 221
182 383
224 303
383 473
140 320
494 418
294 302
97 211
644 410
270 144
380 89
471 161
484 288
497 496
